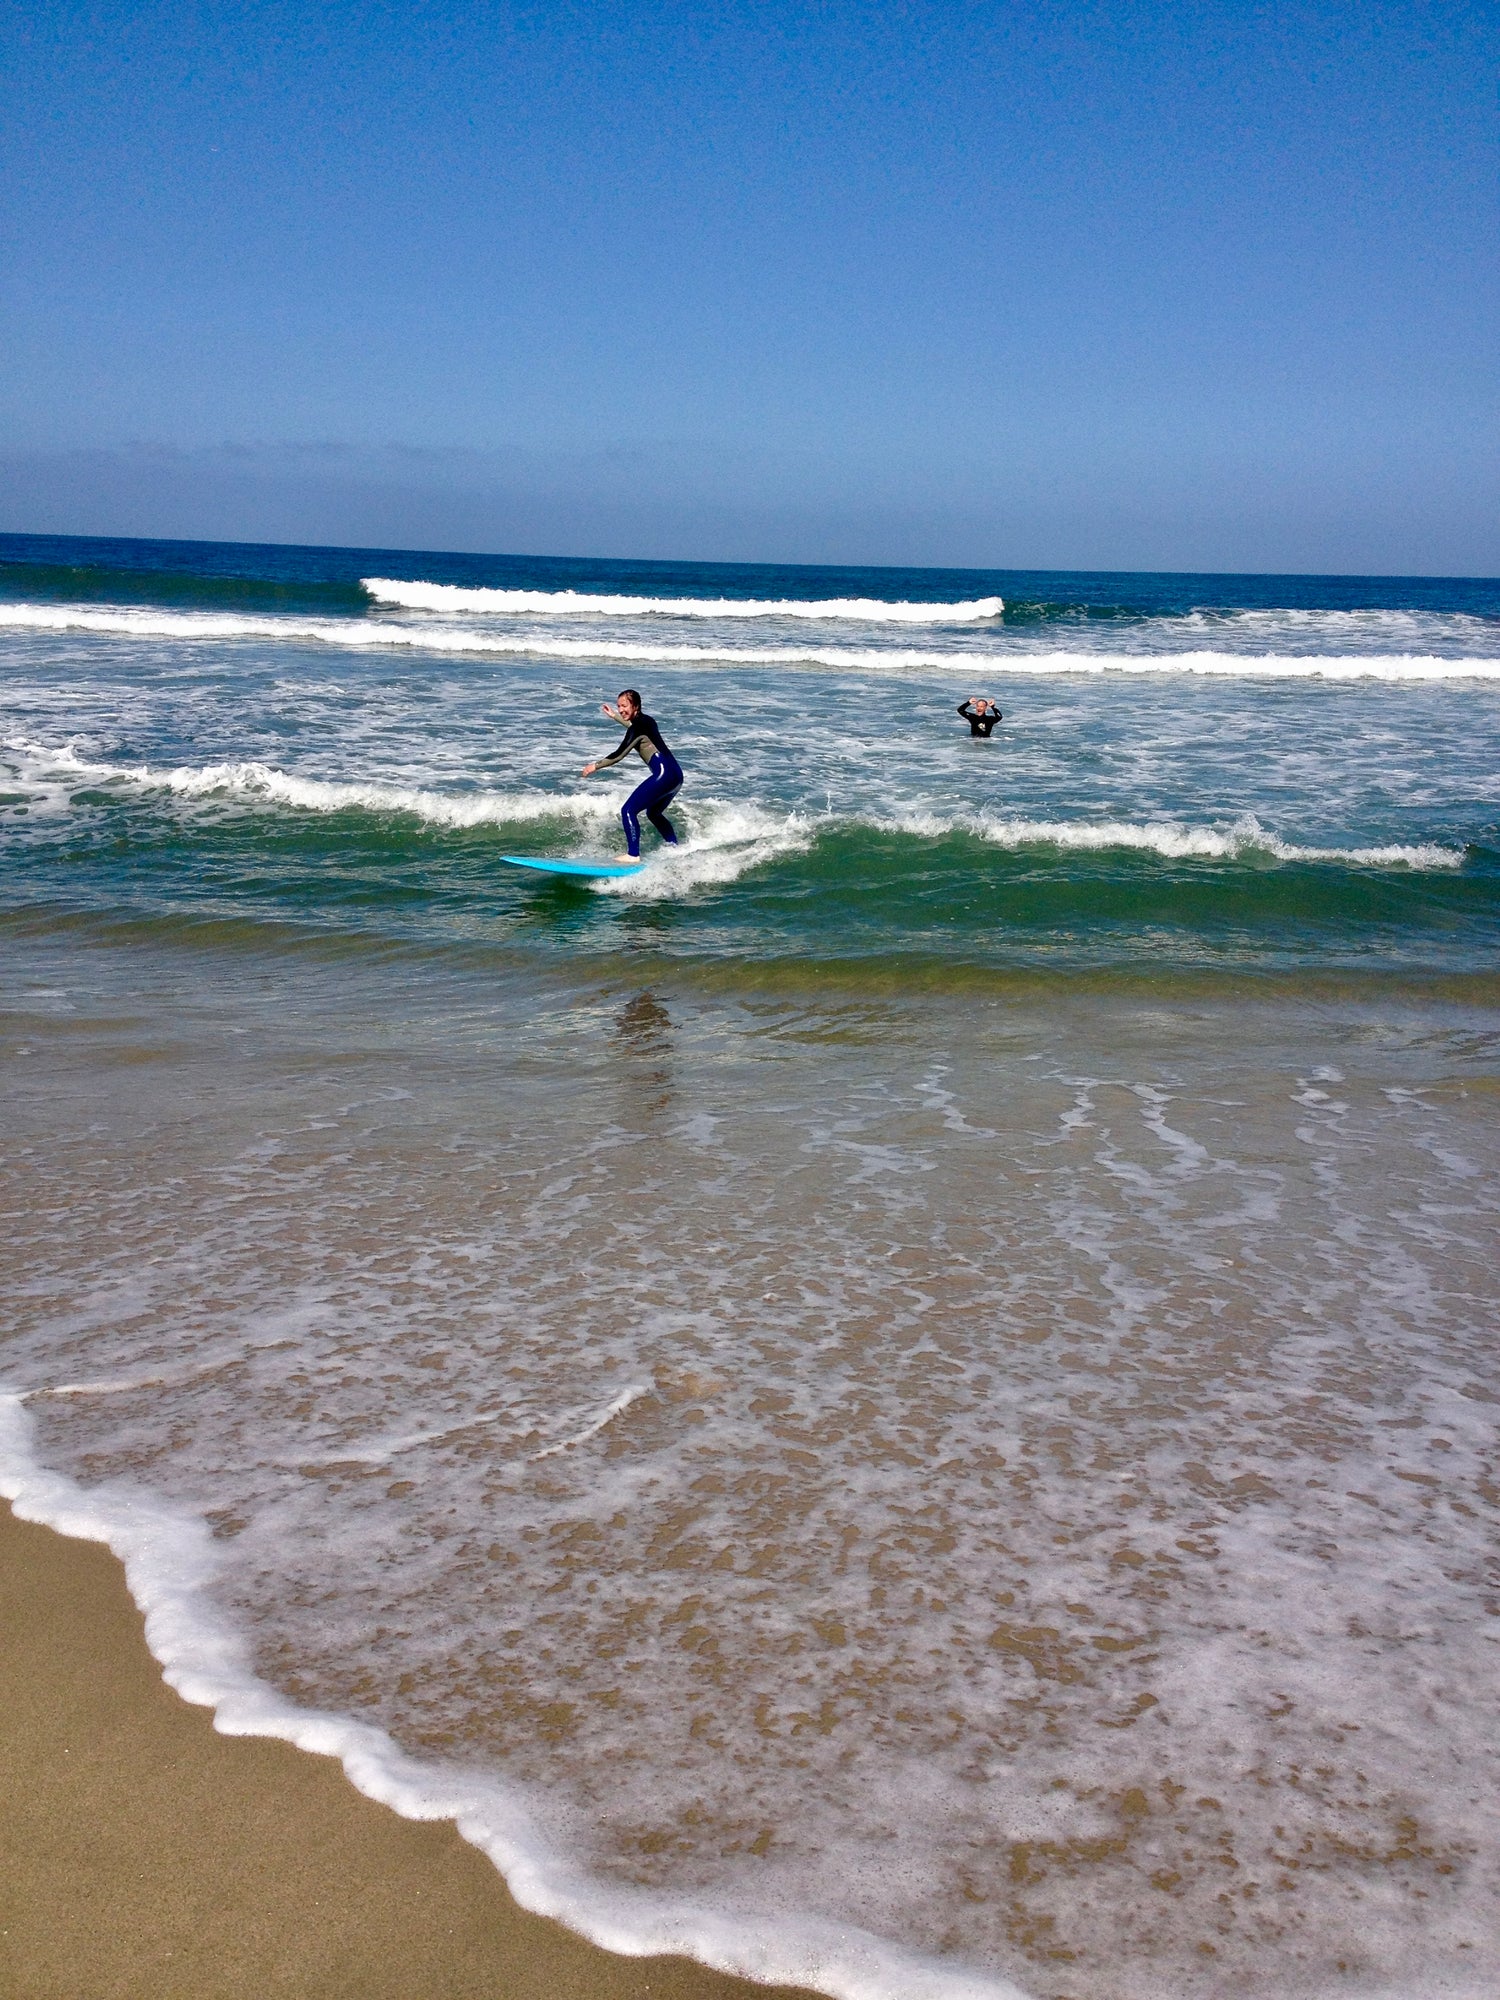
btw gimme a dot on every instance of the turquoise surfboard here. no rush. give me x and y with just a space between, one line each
573 867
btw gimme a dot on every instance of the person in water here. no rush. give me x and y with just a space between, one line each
980 713
657 790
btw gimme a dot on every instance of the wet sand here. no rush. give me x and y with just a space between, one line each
144 1854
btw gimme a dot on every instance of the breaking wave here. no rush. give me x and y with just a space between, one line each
587 604
365 634
726 837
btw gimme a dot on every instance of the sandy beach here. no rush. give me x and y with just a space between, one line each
146 1855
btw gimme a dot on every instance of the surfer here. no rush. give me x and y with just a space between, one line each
664 780
980 713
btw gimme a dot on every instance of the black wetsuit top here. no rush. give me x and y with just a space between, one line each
645 739
980 725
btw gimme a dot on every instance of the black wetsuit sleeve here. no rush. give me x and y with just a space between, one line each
627 743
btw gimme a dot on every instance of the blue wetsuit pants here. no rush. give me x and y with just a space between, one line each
651 797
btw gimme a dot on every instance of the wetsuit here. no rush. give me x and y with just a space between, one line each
979 725
655 792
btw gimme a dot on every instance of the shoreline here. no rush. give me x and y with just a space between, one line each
146 1855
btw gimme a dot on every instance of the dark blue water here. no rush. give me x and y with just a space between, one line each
104 569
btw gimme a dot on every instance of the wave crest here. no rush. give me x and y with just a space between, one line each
726 837
452 597
1175 841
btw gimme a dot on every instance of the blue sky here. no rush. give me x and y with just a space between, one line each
1099 284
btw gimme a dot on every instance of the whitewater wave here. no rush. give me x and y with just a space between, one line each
586 604
724 841
366 634
725 837
1370 622
1174 841
736 839
251 781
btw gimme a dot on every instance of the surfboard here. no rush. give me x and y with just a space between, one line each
587 868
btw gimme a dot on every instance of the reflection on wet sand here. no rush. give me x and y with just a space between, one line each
643 1040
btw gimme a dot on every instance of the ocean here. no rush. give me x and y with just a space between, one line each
904 1401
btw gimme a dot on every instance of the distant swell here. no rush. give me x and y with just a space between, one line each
99 583
868 610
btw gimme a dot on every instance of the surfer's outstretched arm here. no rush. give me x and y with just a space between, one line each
633 734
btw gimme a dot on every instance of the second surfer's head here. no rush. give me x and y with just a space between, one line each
628 701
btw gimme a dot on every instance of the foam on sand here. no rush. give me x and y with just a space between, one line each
170 1564
951 1523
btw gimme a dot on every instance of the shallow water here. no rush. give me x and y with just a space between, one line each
910 1397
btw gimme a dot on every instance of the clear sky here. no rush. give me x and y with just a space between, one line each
1090 283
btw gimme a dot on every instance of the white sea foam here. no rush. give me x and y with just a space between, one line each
588 604
365 634
724 842
1395 629
171 1564
620 1404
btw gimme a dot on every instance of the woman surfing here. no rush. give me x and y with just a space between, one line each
663 781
